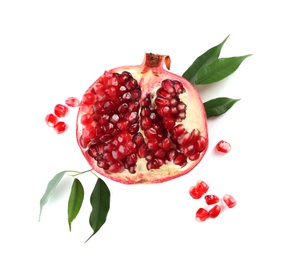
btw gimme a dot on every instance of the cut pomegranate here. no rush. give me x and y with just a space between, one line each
72 102
148 125
60 127
51 120
214 212
211 199
201 214
229 200
60 110
223 147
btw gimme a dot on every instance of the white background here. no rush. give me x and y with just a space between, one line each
50 50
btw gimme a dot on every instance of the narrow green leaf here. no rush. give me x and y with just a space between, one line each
218 106
218 70
207 57
75 201
50 189
100 201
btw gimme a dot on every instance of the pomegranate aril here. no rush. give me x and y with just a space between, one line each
214 212
202 187
60 110
86 119
72 102
211 199
223 147
60 127
229 200
51 120
199 189
201 214
195 194
180 159
88 98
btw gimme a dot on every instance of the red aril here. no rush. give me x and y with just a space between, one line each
229 200
211 199
72 102
60 110
148 125
214 212
201 214
223 147
60 127
199 189
51 120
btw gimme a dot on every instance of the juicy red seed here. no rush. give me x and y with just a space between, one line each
211 199
229 200
168 86
88 99
166 144
138 139
179 87
195 194
200 144
111 92
60 110
60 127
116 167
123 108
163 93
223 147
86 119
169 122
171 154
180 159
72 102
201 214
214 212
202 187
51 120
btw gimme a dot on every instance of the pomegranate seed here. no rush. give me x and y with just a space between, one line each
88 98
211 199
72 102
60 127
214 212
60 110
223 147
51 120
229 200
86 119
199 189
202 187
194 193
201 214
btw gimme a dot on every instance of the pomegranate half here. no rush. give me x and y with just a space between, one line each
142 124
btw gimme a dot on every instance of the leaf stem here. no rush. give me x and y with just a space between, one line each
77 172
94 173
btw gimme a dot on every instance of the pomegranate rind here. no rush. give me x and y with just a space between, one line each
150 80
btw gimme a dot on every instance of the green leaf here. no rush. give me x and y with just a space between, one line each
75 201
100 201
50 189
207 57
218 106
218 70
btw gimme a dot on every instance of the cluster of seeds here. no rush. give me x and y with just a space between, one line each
199 190
118 127
60 111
